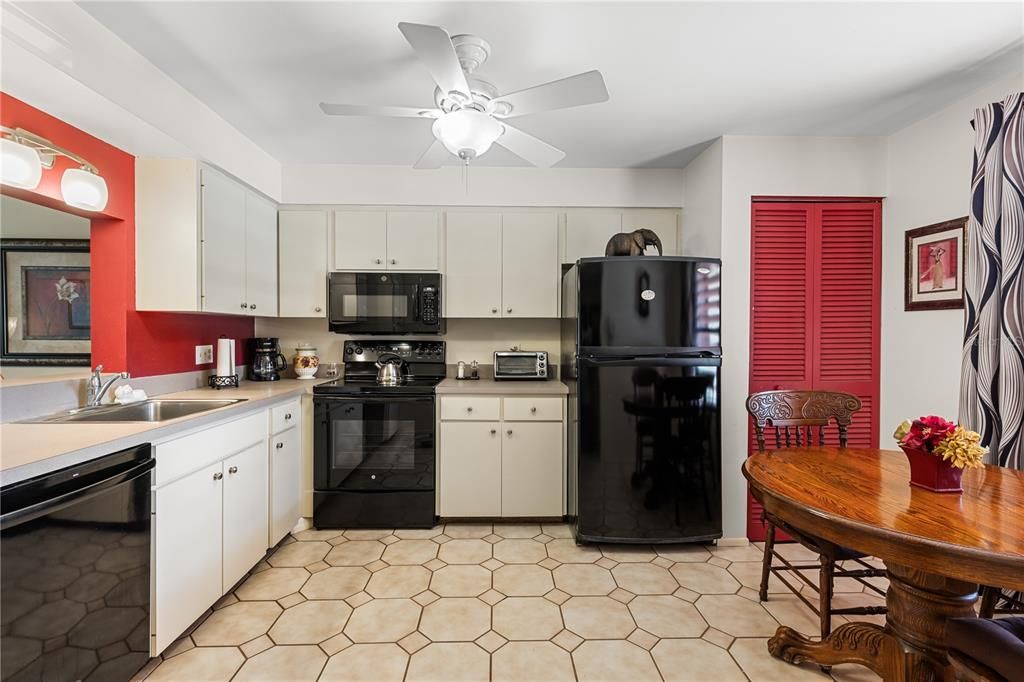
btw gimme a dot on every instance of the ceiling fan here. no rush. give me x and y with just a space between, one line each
470 115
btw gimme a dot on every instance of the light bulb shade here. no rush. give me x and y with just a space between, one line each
83 189
467 133
20 166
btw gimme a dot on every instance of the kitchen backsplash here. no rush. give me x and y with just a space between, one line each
467 339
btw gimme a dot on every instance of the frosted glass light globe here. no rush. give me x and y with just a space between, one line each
20 165
467 133
83 189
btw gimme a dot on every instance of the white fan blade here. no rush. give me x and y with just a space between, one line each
370 110
435 155
529 148
574 91
434 47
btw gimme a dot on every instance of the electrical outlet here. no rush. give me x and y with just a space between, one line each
204 355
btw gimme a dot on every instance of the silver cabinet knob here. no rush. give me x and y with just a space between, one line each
533 410
469 409
252 306
509 310
317 309
244 306
217 475
232 470
288 417
394 262
509 432
494 311
279 446
379 261
494 431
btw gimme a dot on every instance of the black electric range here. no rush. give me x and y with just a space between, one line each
374 459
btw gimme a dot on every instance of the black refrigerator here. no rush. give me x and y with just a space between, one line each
642 357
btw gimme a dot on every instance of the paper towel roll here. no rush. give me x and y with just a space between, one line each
225 357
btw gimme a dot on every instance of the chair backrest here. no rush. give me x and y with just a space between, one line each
800 411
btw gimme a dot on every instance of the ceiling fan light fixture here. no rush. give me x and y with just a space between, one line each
467 133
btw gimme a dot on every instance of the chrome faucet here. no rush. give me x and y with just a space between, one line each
97 388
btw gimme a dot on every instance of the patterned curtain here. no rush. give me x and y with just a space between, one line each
992 378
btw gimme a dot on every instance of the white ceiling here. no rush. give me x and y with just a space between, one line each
679 74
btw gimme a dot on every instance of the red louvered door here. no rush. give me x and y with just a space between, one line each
814 318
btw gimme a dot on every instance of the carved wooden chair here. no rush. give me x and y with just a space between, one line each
799 419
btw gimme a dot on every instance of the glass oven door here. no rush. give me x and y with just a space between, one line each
374 443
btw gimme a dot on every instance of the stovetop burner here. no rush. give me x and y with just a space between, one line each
424 362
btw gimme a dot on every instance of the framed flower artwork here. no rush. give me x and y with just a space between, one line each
46 298
935 266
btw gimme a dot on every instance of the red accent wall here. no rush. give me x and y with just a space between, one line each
122 338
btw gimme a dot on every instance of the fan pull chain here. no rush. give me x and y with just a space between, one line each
465 175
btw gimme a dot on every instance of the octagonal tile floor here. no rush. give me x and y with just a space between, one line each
472 601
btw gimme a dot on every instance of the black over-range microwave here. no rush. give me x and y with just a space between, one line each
385 303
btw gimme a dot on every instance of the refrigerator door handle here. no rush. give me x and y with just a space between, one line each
655 361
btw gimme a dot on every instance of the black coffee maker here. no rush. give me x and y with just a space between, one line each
267 359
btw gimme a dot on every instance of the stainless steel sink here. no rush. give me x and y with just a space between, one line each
155 410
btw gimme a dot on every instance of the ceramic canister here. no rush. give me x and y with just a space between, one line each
305 362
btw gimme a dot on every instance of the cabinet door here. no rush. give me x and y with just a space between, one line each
246 512
413 240
285 485
187 539
472 286
529 270
260 255
223 216
302 263
470 469
587 233
360 240
531 469
664 223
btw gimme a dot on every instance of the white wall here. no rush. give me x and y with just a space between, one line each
25 220
929 181
58 58
775 166
488 186
702 204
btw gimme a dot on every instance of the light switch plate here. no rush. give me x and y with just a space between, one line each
204 355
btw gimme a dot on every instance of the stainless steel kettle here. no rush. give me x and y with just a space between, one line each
389 369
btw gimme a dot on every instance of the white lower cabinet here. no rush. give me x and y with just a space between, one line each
470 468
511 465
531 469
285 483
221 494
187 540
246 512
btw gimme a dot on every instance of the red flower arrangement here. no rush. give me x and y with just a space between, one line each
938 451
924 433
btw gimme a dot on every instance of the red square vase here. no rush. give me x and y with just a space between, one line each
931 472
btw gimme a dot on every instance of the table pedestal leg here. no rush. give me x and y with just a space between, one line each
911 646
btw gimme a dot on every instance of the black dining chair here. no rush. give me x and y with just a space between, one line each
799 419
986 650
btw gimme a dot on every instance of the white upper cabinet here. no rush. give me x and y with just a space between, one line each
204 241
529 265
360 240
224 231
260 255
472 285
302 263
587 233
386 240
413 239
501 264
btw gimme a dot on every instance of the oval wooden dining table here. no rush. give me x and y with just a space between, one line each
937 548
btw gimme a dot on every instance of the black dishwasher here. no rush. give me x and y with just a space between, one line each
75 557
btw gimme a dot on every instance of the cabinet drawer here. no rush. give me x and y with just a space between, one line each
284 416
533 409
188 453
473 408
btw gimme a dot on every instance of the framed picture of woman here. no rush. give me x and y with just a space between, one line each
935 266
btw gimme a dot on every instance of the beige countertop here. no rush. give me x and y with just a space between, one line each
31 449
486 386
